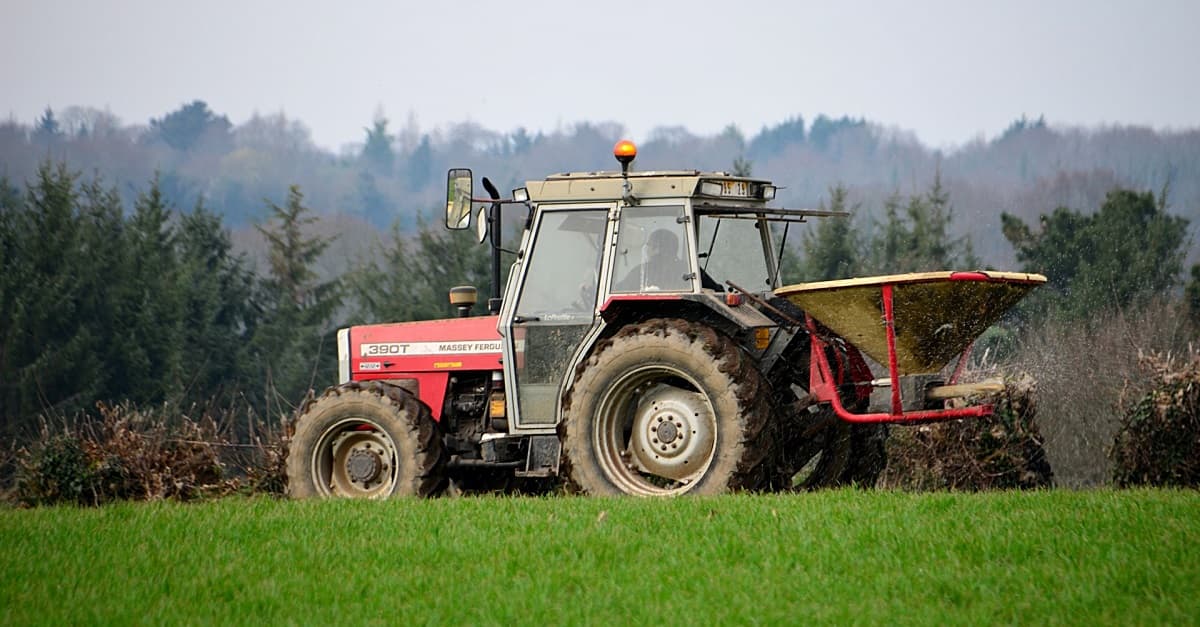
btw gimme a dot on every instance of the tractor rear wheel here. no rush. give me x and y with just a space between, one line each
822 451
666 407
868 455
365 440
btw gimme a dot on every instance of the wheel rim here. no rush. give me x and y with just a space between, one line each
355 458
655 432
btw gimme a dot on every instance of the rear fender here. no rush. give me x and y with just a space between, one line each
740 323
430 387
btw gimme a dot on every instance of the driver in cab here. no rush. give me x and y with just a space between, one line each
662 269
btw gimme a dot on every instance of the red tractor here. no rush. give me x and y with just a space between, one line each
643 345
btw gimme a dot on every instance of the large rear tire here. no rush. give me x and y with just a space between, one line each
365 440
666 407
822 451
868 455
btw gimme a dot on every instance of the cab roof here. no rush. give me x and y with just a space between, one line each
608 185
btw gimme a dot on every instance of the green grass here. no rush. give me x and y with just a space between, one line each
831 557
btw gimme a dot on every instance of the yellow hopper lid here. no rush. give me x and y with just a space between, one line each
937 314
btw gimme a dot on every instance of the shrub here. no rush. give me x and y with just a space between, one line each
1158 443
1002 451
54 471
263 460
127 453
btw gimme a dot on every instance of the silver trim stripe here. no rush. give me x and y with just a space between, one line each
343 342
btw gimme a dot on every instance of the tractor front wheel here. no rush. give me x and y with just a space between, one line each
365 440
666 407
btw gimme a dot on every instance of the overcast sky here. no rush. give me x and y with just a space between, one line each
948 71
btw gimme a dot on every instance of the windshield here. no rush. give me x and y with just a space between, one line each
731 249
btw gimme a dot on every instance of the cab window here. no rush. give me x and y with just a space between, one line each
564 265
651 251
731 249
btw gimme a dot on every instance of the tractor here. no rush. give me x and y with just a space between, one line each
643 345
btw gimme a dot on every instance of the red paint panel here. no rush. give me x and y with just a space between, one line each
969 276
860 372
889 318
983 276
428 351
448 329
636 297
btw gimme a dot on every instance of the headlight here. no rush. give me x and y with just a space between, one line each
724 189
710 188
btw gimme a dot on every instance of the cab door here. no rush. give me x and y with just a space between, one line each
554 308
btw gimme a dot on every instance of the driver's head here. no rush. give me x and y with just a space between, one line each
663 244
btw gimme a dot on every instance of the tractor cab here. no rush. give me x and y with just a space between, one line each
605 248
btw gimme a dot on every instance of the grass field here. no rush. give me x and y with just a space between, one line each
830 557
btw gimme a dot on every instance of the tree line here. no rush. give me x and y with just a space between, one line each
151 305
392 174
154 306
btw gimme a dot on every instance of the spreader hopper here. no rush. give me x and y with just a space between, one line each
937 314
913 324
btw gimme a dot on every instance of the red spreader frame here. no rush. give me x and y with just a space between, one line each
823 385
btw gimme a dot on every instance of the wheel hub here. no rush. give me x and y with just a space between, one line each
667 431
672 433
364 465
360 462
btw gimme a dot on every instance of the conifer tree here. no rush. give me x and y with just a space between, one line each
915 235
929 217
14 233
888 246
377 152
742 166
412 277
192 126
420 165
372 202
831 246
55 357
152 302
47 129
294 341
216 308
106 280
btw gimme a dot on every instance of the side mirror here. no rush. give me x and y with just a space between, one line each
459 191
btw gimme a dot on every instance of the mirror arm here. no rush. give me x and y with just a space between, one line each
494 235
499 201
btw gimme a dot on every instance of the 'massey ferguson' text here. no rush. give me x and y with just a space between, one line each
398 349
